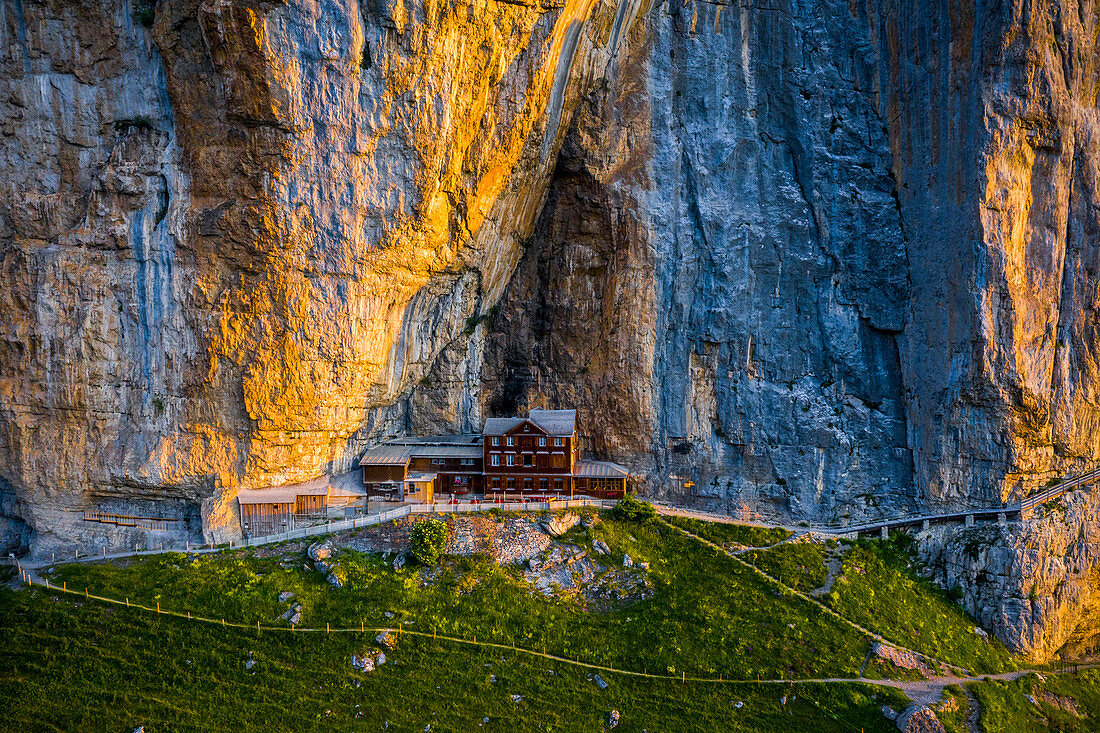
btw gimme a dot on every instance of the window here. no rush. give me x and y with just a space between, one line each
557 442
544 484
511 459
557 485
528 484
495 460
542 442
557 460
438 461
467 461
512 483
496 483
511 440
496 440
527 459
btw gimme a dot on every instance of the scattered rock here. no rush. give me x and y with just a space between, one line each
388 614
919 719
889 713
399 561
613 719
285 596
492 678
601 547
1031 699
627 562
362 663
981 632
250 662
559 524
600 682
386 639
517 698
739 704
295 619
295 609
139 729
903 659
319 551
643 565
1068 704
380 659
590 520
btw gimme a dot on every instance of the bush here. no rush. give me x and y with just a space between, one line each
429 539
632 509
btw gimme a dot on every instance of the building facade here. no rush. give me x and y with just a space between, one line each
535 457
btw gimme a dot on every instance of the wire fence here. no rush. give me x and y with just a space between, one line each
260 628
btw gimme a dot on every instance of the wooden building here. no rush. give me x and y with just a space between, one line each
421 469
537 456
282 508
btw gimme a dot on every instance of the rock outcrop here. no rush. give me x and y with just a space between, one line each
813 258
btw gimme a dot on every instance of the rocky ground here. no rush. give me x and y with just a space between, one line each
574 567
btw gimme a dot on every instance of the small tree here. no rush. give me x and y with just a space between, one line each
429 540
632 509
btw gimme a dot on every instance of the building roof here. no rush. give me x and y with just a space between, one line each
285 494
501 425
391 454
386 455
417 476
555 422
465 439
599 469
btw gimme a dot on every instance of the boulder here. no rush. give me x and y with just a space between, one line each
380 659
285 596
295 619
399 562
919 719
613 719
889 713
321 551
627 562
334 580
559 524
386 639
601 547
600 682
981 632
362 663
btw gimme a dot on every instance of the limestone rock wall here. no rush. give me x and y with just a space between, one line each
1034 584
820 258
235 233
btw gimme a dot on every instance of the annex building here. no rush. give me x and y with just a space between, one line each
533 457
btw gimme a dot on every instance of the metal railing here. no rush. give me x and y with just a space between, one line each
1026 505
404 511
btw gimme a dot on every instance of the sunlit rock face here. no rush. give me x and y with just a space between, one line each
234 239
820 259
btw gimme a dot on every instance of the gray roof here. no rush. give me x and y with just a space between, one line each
386 455
389 454
552 422
285 494
599 469
555 422
468 439
501 425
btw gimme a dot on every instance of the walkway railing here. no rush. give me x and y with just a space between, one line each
404 511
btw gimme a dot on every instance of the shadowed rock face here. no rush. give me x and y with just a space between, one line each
820 258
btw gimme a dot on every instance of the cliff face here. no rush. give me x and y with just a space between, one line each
816 258
234 239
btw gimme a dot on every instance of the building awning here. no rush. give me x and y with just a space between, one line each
285 494
421 477
599 469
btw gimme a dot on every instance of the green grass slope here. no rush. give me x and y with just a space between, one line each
69 664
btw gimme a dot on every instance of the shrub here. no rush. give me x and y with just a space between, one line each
632 509
429 539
